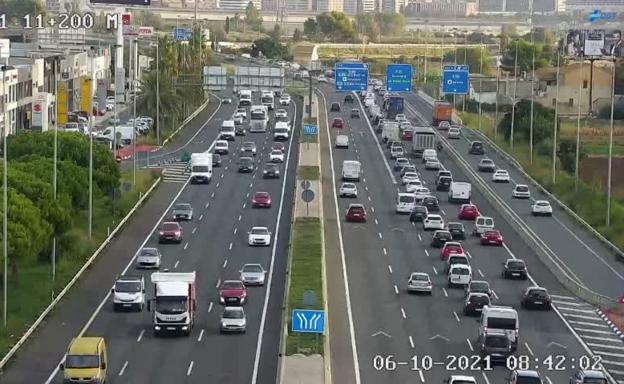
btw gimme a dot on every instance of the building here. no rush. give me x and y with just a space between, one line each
393 5
269 5
369 5
429 8
350 7
517 6
299 5
329 5
590 5
485 89
237 5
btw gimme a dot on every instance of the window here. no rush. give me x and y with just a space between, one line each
584 83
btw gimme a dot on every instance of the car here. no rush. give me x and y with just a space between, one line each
408 168
492 237
238 119
226 100
460 379
281 113
342 141
400 162
475 302
432 203
129 293
400 117
420 193
281 133
284 99
501 176
444 125
148 258
453 133
432 165
355 113
242 112
443 183
584 376
233 319
411 186
468 212
338 123
521 191
335 107
232 293
259 236
486 165
536 297
276 156
515 268
457 230
408 134
476 148
182 211
418 214
479 286
496 345
348 98
322 79
170 231
541 208
459 275
440 237
249 147
419 282
261 199
252 274
432 222
270 171
409 176
525 376
482 224
394 143
356 212
348 190
444 173
396 152
222 147
451 248
239 130
278 146
245 165
216 160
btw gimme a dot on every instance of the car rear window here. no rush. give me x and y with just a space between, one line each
480 299
356 209
458 260
232 285
528 380
538 294
406 199
516 265
170 227
501 323
522 188
455 226
591 380
461 271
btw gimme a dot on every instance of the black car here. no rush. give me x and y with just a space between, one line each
182 211
457 230
515 268
239 130
444 183
440 237
418 214
476 148
271 171
496 344
522 377
216 160
475 301
355 113
536 297
348 98
335 107
479 286
245 165
583 376
432 203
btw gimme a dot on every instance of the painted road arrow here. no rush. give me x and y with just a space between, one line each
381 333
552 343
439 337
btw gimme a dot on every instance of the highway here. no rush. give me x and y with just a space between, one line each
380 255
214 245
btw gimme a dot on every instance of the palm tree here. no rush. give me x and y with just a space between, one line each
170 101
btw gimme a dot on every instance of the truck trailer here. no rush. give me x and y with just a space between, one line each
422 138
394 106
174 303
390 131
442 111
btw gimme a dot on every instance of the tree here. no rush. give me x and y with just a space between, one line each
525 56
253 18
227 24
543 120
170 101
390 23
368 26
276 33
148 18
567 154
269 47
310 27
15 10
473 59
336 26
297 35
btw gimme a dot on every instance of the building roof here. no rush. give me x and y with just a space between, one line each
485 85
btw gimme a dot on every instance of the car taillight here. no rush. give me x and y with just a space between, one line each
178 233
161 233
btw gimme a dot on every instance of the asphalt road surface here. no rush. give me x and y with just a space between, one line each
381 253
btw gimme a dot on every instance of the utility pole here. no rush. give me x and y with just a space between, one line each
93 82
609 170
134 108
513 102
55 70
554 144
158 93
5 218
578 129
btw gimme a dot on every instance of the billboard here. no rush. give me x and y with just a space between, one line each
86 94
62 101
594 43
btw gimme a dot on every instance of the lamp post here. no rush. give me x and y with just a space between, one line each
93 82
513 105
5 244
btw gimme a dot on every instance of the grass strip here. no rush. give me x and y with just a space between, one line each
305 275
308 172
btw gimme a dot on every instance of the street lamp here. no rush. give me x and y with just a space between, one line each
5 244
156 44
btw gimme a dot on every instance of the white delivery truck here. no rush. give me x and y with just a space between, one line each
390 131
268 99
125 134
201 168
244 98
351 170
422 138
374 110
259 118
174 302
459 192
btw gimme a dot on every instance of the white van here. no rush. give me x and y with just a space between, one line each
201 167
342 141
482 224
459 274
351 170
405 202
501 318
282 124
228 130
459 192
125 134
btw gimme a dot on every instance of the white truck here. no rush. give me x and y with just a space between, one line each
351 170
459 192
125 134
390 131
201 168
374 110
244 98
174 303
268 99
258 118
422 138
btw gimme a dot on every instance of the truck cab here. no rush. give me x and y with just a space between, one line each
86 361
129 293
174 302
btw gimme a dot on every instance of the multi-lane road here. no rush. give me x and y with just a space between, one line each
391 325
215 246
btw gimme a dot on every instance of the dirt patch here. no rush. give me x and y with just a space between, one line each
593 171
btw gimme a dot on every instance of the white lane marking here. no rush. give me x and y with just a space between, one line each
230 246
390 268
376 222
598 331
210 307
385 251
435 270
176 264
411 341
185 246
218 283
529 348
597 324
564 303
247 196
442 210
222 175
426 252
240 217
372 209
419 237
469 255
494 294
403 313
456 317
591 312
369 198
207 205
201 217
235 230
201 334
486 378
253 176
610 354
123 368
250 185
364 179
140 335
366 187
613 339
480 273
445 292
380 236
194 230
470 345
212 194
422 376
244 205
413 225
396 289
224 263
190 369
563 297
548 379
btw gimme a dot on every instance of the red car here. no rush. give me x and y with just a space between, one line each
261 200
356 212
492 237
468 212
278 146
232 292
408 134
170 231
338 123
450 248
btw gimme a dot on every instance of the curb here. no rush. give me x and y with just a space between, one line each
610 323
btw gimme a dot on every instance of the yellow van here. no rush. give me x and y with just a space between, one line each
86 361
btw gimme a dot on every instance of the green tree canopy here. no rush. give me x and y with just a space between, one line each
390 23
525 55
473 57
336 26
270 48
310 27
253 18
543 122
567 154
276 32
297 35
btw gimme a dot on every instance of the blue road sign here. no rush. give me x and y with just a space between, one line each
310 129
351 76
182 34
455 79
308 321
399 77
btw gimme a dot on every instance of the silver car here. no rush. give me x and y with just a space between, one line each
148 258
419 282
233 319
249 146
252 274
182 211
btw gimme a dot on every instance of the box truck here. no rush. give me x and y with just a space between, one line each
422 138
390 131
442 111
174 303
201 168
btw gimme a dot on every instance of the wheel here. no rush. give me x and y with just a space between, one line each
450 285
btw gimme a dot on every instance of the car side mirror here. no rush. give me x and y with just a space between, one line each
62 366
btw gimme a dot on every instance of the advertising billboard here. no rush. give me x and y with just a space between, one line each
62 101
594 43
86 94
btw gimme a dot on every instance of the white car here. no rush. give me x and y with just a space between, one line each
348 190
412 186
521 191
221 147
444 125
541 208
396 152
148 258
501 176
110 106
284 99
276 156
459 274
281 113
241 112
342 141
259 236
400 117
226 100
458 379
419 282
409 176
322 79
421 192
433 165
453 133
233 319
432 222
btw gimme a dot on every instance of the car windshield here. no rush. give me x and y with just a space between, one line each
486 162
245 161
406 199
170 227
82 361
516 265
149 252
356 209
221 144
443 235
420 209
171 305
522 188
542 203
233 314
276 152
431 200
259 231
501 323
411 175
434 218
270 167
232 285
528 380
458 260
249 145
497 341
491 234
480 299
594 380
262 194
252 269
538 293
127 286
182 207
